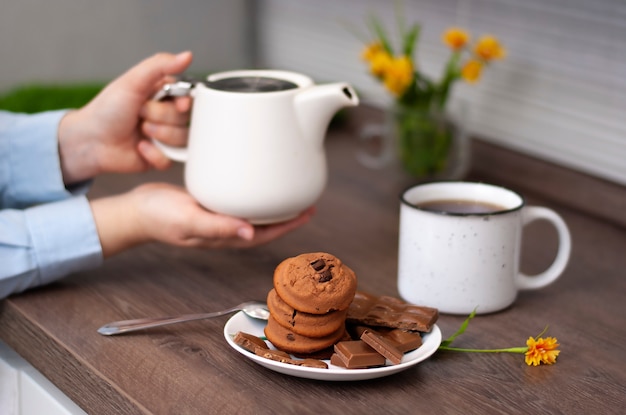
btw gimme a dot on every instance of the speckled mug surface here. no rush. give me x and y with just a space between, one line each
458 262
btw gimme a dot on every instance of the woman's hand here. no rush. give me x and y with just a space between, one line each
110 133
166 213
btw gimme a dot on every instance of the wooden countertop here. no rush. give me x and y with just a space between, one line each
190 369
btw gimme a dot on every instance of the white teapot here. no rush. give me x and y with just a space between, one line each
256 141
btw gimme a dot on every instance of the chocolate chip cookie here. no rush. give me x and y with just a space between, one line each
288 341
306 324
315 283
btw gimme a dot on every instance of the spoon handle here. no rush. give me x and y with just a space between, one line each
125 326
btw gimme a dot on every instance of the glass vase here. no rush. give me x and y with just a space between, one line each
427 144
430 144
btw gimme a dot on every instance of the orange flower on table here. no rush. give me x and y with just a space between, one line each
538 350
472 70
489 48
456 38
541 350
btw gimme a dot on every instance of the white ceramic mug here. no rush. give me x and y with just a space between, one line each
460 262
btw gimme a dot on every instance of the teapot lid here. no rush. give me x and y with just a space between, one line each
251 84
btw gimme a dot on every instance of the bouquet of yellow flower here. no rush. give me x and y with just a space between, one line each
400 75
424 136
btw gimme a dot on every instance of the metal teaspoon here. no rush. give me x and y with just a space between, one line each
254 309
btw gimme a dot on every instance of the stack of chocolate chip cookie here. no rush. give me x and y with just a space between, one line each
309 303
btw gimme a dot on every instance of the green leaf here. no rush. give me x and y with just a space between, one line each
381 34
408 37
460 331
410 40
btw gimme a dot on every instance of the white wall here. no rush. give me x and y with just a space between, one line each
559 95
95 40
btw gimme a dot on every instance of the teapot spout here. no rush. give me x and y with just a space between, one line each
316 105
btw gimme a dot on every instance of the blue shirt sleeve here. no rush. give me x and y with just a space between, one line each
30 169
46 230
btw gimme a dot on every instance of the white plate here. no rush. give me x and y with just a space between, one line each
241 322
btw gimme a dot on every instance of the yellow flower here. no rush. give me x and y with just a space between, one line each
489 48
371 51
541 350
471 71
455 38
398 75
380 63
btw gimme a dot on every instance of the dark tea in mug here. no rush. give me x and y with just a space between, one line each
460 206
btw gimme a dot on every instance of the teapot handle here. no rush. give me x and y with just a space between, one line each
175 89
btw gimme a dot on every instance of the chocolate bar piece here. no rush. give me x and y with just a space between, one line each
404 340
312 363
390 312
284 357
336 361
249 341
356 354
382 346
277 355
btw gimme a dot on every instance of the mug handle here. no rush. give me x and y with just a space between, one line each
175 89
531 214
384 157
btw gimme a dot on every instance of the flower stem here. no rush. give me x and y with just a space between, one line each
506 350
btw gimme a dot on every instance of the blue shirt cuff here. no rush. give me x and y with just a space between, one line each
64 238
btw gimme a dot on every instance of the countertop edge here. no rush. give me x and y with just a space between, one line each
77 380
